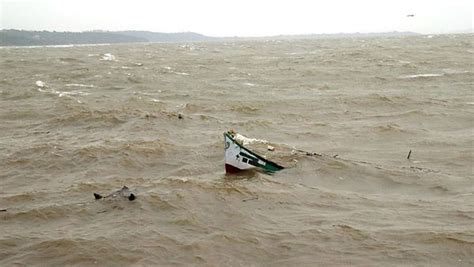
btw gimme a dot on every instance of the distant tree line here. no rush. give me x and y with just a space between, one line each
32 38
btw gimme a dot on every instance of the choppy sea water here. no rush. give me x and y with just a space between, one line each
83 119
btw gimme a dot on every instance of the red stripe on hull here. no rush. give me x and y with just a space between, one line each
231 169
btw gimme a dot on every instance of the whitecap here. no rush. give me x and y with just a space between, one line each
62 93
175 72
41 84
453 71
426 75
180 73
71 93
108 57
79 85
245 140
249 84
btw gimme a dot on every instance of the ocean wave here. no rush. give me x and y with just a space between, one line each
108 57
422 76
70 60
42 87
41 84
435 237
135 154
244 109
390 128
89 116
45 213
79 85
168 69
349 192
80 251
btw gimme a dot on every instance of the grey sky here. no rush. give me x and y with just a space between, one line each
239 17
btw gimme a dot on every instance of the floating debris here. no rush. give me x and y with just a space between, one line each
124 192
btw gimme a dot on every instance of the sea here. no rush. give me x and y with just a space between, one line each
387 124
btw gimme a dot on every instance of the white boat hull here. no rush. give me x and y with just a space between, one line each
238 158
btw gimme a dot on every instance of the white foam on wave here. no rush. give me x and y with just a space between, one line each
41 84
108 57
175 72
180 73
79 85
453 71
42 87
147 94
71 93
246 141
425 75
64 93
249 84
188 46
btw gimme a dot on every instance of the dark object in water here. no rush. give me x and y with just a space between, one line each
409 154
3 210
123 192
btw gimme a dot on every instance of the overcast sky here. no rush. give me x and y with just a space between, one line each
239 17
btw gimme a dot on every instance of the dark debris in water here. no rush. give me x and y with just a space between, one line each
124 192
248 199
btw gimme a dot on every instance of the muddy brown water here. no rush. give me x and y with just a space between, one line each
106 116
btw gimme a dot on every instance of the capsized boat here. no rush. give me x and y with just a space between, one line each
239 158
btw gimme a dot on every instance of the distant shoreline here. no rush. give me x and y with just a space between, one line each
44 38
13 37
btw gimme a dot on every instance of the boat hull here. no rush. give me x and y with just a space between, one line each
238 158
